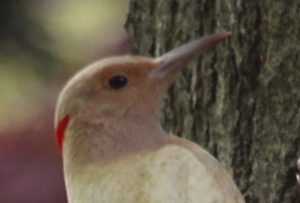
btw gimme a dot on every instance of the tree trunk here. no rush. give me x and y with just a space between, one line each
241 100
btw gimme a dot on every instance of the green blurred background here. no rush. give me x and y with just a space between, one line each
42 43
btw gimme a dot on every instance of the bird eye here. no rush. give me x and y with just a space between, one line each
117 81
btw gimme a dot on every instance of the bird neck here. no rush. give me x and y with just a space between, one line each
88 143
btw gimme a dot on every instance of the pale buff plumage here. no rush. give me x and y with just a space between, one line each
115 150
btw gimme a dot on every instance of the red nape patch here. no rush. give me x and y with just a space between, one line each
60 131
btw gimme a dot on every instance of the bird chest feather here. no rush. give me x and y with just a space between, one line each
170 174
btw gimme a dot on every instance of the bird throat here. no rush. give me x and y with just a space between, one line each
60 131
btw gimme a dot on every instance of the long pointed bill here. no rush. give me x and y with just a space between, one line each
172 62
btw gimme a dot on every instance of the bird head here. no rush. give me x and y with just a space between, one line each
123 88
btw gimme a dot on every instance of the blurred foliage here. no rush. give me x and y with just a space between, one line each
21 31
43 42
88 27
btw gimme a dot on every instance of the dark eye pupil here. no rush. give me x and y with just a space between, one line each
117 81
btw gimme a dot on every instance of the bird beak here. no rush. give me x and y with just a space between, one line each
172 62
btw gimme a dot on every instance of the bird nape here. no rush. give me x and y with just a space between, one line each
113 146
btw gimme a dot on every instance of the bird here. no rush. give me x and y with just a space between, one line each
113 146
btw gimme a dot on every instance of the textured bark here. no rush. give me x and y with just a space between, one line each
241 101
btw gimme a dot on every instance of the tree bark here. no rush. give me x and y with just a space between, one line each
241 100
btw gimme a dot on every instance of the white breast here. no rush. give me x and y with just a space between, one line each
170 174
